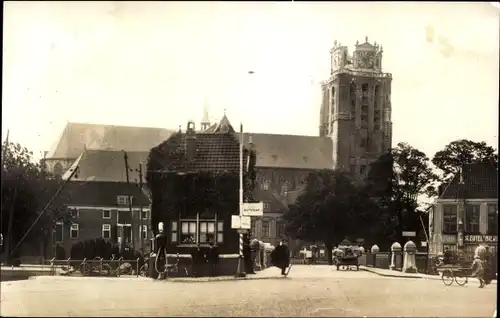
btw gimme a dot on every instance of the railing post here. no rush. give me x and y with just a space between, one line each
119 265
52 266
137 271
100 267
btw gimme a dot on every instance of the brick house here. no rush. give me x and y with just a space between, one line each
101 210
195 214
466 213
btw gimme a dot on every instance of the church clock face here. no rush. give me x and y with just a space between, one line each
366 59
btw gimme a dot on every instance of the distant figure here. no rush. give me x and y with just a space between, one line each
247 255
478 270
280 257
488 266
447 256
212 258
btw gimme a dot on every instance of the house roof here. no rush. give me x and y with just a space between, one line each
109 165
214 152
76 137
480 181
102 194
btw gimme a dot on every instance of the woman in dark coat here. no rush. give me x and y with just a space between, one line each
280 257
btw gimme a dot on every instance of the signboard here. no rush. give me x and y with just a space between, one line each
449 239
409 234
252 209
480 239
240 222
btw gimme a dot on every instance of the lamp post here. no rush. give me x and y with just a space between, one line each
241 271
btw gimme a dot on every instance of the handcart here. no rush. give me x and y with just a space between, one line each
450 274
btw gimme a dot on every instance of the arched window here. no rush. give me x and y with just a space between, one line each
58 169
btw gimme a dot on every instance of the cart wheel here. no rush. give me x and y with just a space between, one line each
461 280
447 277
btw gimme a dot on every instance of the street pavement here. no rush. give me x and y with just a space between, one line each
319 291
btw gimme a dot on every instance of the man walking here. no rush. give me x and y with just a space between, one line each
280 257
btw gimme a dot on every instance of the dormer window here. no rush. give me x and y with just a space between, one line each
123 199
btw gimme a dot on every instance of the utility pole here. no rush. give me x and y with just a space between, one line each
132 223
140 207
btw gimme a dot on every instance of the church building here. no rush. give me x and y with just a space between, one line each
355 128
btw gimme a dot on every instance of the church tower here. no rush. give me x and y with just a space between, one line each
205 121
356 107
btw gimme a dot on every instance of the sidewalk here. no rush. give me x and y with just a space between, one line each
268 273
398 274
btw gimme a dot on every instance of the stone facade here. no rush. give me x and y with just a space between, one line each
356 107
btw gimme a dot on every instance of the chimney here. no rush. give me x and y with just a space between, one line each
191 141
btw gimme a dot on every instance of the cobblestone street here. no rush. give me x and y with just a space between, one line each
309 291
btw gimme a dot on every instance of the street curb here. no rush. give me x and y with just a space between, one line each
391 275
217 279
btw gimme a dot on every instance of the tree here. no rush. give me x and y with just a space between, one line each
330 209
26 189
397 180
460 152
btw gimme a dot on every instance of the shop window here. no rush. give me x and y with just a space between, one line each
203 232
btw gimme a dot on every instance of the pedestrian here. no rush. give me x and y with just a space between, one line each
488 266
447 256
280 257
212 258
247 256
478 270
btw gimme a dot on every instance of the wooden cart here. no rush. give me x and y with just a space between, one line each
346 257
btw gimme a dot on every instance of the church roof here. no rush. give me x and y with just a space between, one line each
77 137
291 151
284 151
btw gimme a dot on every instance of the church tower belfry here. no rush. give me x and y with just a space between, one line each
356 107
205 121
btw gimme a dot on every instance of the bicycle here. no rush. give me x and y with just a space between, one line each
174 268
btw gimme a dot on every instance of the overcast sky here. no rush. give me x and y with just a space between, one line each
154 63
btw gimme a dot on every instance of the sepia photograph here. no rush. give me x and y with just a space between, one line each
249 159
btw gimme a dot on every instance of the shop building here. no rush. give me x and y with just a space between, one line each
466 213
